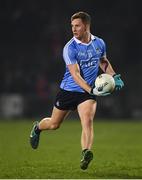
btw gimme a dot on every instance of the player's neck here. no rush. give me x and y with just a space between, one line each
86 38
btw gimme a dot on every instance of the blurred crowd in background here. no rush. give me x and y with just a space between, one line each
32 36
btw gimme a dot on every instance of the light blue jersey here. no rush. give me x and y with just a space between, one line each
87 56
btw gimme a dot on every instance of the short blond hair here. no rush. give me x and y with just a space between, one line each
85 17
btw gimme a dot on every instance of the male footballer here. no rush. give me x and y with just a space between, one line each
83 55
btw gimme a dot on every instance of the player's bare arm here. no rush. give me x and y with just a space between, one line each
106 66
75 72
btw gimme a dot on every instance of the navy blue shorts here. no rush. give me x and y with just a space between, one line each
68 100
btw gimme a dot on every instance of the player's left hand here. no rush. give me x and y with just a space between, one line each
118 82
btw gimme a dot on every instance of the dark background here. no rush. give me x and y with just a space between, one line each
32 36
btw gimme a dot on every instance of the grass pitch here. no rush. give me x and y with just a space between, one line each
117 151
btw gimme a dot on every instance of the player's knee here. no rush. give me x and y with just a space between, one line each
88 122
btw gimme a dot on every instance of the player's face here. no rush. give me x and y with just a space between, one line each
79 29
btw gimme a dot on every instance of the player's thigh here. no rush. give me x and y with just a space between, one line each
58 115
87 110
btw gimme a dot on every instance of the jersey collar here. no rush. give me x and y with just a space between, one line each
79 42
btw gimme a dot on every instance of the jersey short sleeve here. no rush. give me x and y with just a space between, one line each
103 47
69 54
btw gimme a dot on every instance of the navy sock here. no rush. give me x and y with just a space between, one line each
37 130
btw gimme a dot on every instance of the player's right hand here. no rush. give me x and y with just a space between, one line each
96 92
